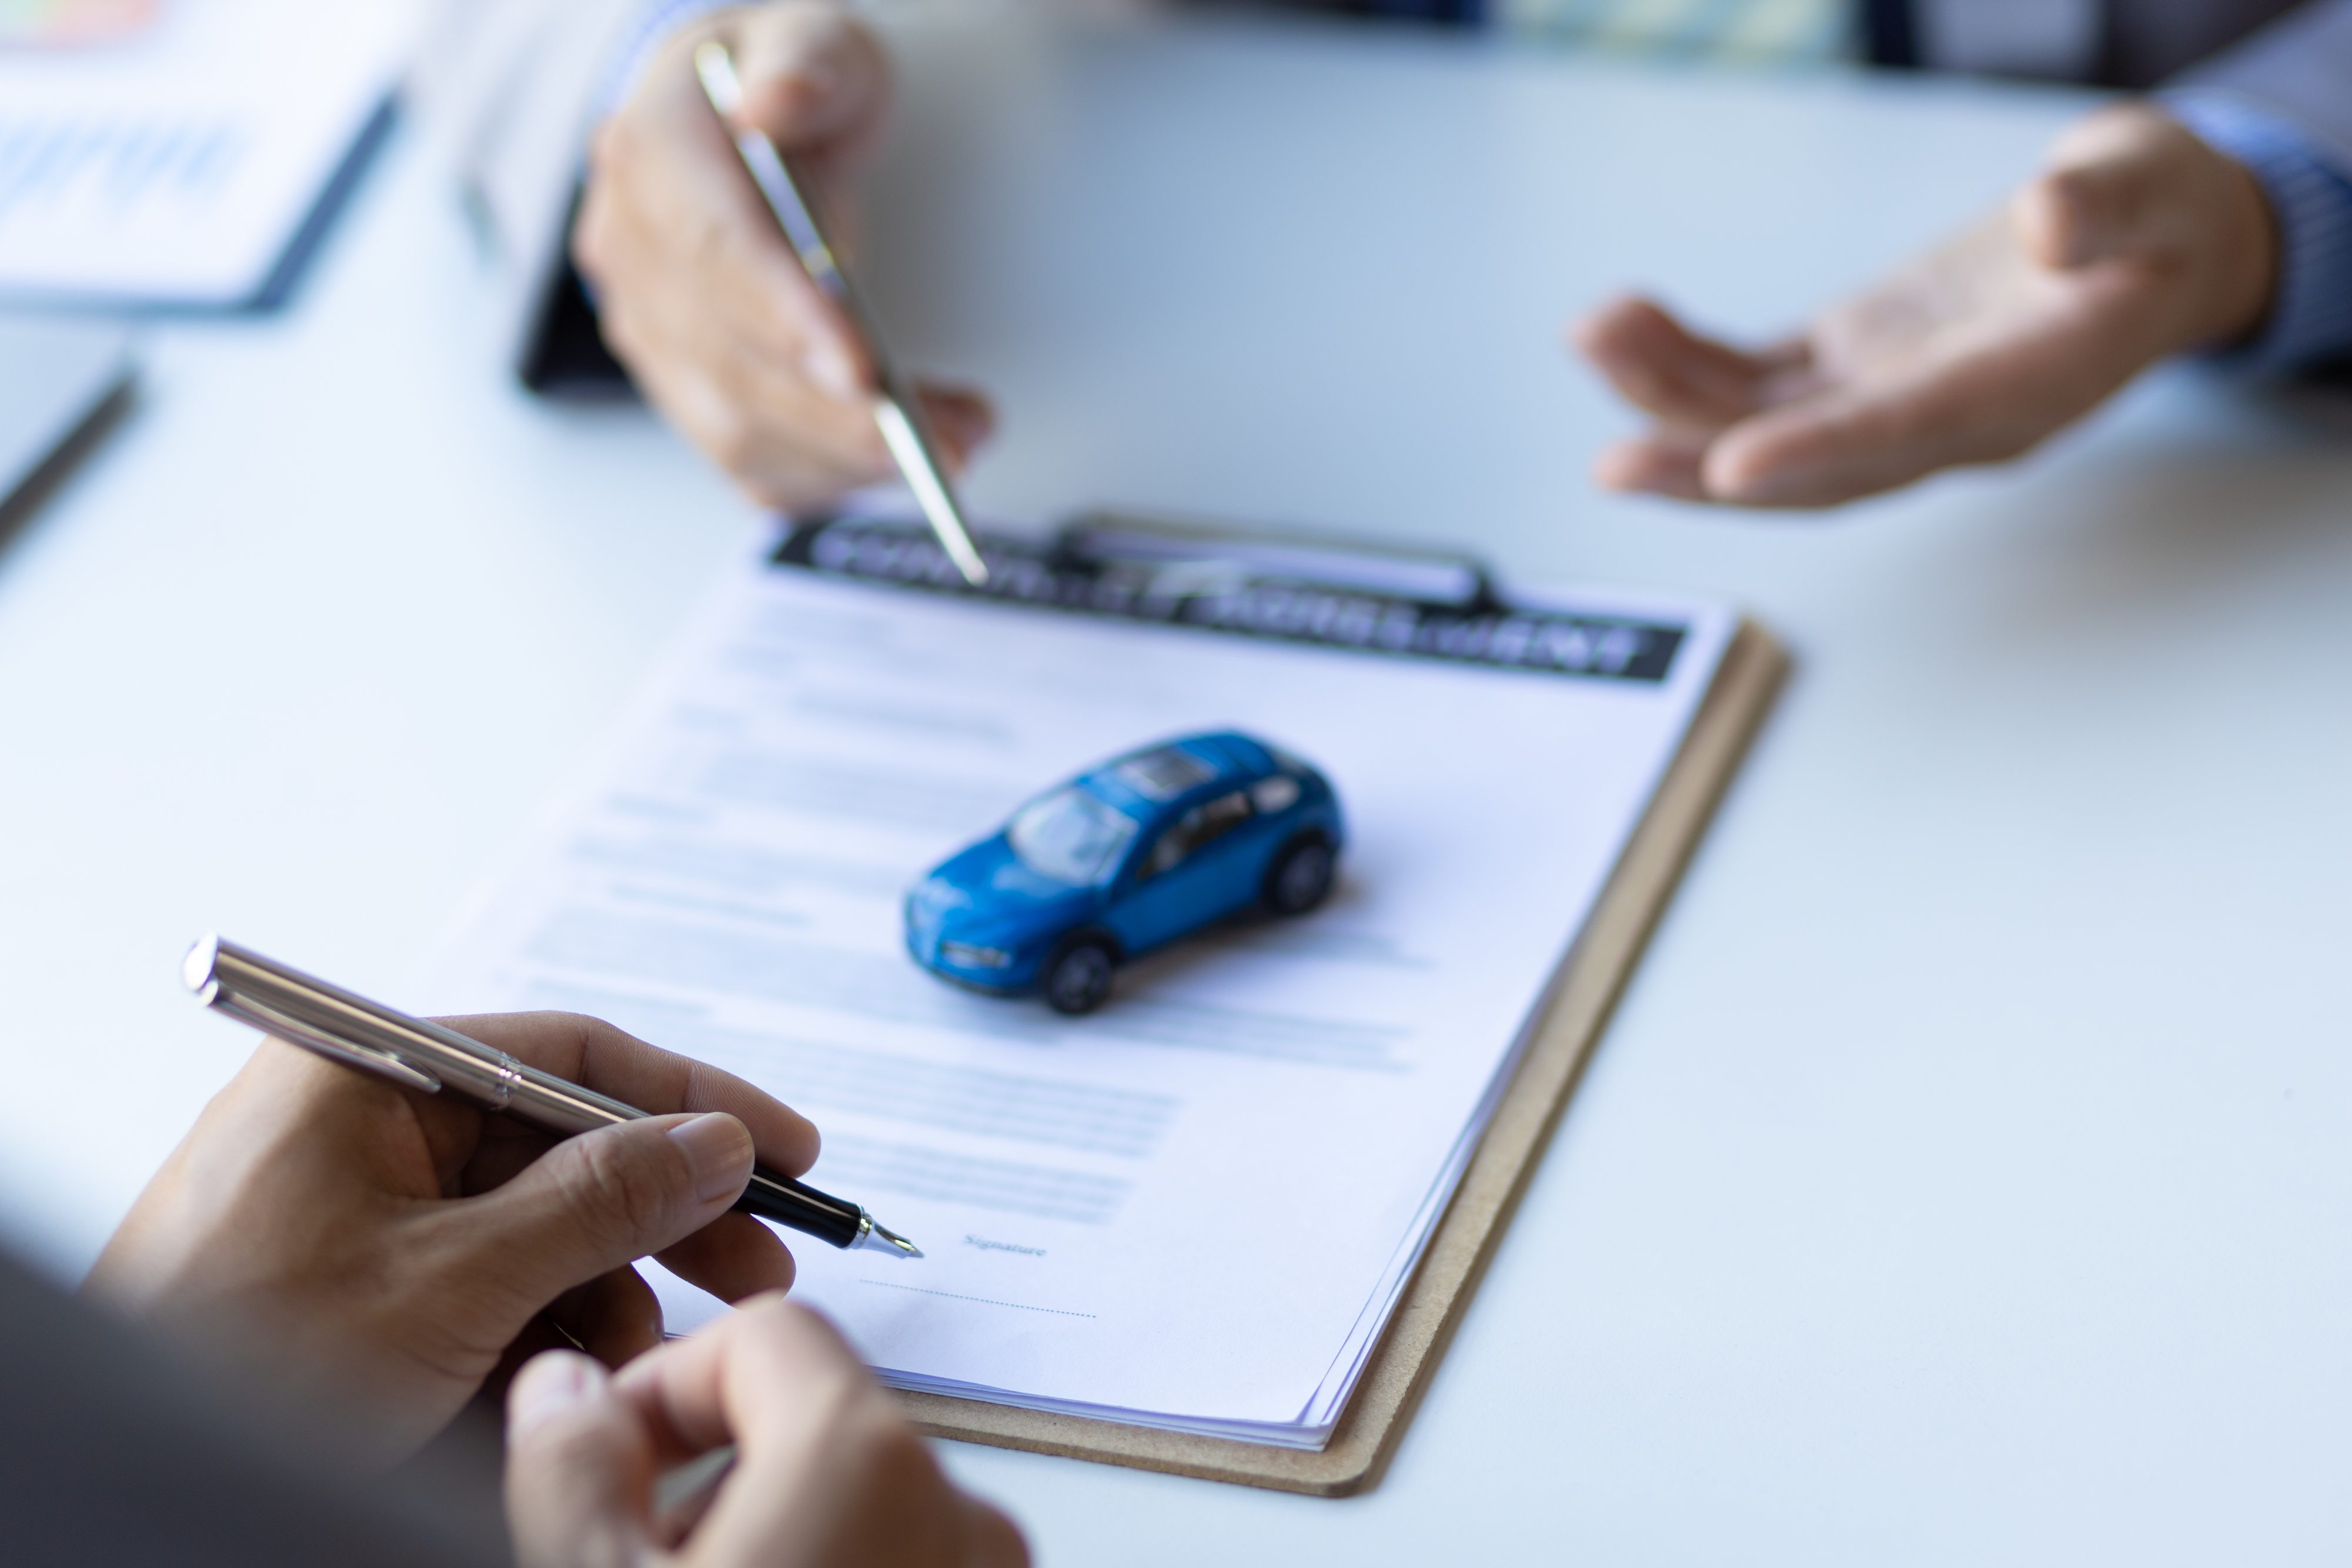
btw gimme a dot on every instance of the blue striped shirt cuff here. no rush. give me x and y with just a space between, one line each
655 20
2311 196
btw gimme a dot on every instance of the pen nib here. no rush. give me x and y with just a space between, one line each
896 1244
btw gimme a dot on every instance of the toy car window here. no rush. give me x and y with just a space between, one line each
1162 775
1203 823
1070 836
1275 794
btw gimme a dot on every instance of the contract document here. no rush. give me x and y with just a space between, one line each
1194 1208
189 161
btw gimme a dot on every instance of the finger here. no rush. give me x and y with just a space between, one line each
1986 395
824 1457
734 1257
990 1539
813 78
788 446
589 1205
721 1385
1665 370
614 1317
595 1055
1844 445
1662 463
580 1467
1821 453
1982 389
959 417
505 1149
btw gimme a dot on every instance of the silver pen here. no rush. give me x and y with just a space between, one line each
894 408
432 1059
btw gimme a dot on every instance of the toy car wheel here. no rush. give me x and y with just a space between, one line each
1300 877
1077 977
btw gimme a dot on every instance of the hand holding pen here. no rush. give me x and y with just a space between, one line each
698 288
410 1249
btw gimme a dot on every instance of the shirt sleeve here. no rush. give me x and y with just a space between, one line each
655 21
2310 192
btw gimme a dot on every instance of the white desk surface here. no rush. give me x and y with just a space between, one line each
1966 1177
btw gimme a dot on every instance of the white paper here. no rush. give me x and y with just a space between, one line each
1195 1208
176 166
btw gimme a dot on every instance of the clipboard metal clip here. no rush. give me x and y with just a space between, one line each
1181 559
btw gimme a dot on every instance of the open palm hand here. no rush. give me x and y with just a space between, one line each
2140 241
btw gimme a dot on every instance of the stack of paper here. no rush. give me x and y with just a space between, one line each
185 160
1195 1209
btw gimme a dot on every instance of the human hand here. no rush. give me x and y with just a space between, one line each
2139 241
398 1248
825 1471
697 291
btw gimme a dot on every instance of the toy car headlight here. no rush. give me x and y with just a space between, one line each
974 957
934 896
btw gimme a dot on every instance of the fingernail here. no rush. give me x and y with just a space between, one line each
831 372
549 1385
719 1147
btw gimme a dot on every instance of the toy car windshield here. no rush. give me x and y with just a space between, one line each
1071 837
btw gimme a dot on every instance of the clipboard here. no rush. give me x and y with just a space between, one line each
1141 562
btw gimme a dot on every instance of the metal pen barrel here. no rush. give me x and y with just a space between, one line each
433 1060
424 1056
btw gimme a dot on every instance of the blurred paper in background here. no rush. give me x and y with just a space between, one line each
67 23
183 152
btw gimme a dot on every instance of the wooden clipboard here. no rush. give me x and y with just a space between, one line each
1582 996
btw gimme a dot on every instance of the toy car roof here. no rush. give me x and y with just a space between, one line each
1161 774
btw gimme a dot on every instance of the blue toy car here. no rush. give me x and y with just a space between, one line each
1122 860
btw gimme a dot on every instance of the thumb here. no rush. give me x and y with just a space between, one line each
597 1202
2113 188
579 1466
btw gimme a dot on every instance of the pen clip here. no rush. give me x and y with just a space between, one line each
369 1058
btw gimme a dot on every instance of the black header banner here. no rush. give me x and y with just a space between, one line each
1199 594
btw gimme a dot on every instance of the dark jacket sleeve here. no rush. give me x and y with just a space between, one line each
112 1453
